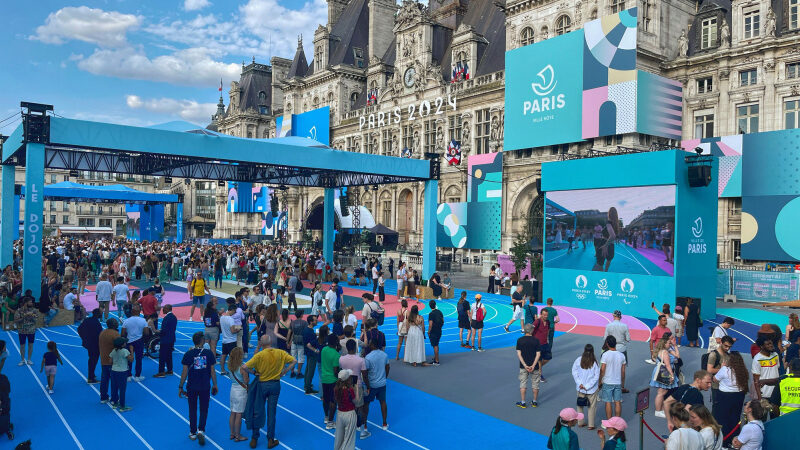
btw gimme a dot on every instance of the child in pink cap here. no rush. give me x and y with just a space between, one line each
615 427
562 437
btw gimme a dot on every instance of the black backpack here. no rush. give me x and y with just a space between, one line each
298 286
379 315
704 361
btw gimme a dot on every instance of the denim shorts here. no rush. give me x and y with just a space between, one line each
199 300
611 393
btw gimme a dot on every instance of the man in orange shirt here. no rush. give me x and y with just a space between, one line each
149 304
658 331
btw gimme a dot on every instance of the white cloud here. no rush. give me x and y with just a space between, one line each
267 19
103 28
194 5
209 32
190 67
189 110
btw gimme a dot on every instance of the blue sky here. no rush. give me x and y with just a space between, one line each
141 62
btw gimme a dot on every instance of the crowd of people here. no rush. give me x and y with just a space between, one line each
351 359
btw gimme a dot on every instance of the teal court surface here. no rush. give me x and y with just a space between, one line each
637 261
467 402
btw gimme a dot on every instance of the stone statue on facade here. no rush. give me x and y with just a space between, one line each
769 29
725 34
683 44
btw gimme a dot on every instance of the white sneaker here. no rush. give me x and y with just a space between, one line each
650 361
49 391
191 319
365 434
385 427
661 414
130 379
330 426
22 363
138 379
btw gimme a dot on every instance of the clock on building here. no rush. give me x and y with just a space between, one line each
408 78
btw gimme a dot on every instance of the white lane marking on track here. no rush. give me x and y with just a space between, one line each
601 316
636 260
96 391
48 397
573 317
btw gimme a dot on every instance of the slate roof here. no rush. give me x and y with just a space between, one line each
352 30
489 21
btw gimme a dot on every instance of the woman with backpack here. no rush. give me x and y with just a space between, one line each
478 314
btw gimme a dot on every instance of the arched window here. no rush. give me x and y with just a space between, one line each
353 99
526 37
563 25
316 102
330 97
262 97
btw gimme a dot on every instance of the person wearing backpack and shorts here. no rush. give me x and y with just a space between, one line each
463 320
478 314
372 310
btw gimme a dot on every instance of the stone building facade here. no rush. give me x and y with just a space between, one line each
386 70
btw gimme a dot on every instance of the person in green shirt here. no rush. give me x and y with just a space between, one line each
329 368
553 319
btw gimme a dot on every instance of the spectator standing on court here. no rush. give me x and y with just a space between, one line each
122 296
612 371
329 364
89 331
688 394
531 311
716 359
103 291
752 435
121 358
106 345
271 365
665 375
198 372
312 349
720 331
552 320
622 334
478 314
198 288
435 324
683 437
562 437
296 350
586 373
656 334
357 366
169 326
517 302
374 377
462 308
765 369
375 276
228 329
733 380
529 356
49 360
541 331
133 329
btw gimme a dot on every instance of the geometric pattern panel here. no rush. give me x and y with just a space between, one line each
769 227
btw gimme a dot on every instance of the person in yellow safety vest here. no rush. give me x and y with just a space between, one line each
790 388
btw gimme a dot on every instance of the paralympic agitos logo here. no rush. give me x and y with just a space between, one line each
543 87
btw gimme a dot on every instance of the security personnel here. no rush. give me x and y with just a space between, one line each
790 388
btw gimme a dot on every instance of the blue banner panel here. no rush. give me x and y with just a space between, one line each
607 291
314 124
179 223
544 85
34 222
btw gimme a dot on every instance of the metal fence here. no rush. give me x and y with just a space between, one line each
758 286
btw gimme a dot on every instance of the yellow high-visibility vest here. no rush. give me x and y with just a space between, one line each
790 394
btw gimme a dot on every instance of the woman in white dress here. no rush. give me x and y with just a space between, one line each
239 382
415 340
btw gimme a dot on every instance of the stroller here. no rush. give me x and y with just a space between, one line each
6 427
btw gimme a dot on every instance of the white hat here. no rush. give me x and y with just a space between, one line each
344 374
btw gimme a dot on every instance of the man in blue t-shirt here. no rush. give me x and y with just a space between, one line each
377 370
133 328
312 349
198 367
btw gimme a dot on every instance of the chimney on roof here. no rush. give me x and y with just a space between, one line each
335 9
381 24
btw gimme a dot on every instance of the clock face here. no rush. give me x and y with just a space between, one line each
409 76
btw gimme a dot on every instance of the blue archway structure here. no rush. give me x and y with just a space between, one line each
45 141
115 193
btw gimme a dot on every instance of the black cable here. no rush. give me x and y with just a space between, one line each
9 117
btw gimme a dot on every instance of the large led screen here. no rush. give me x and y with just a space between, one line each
623 230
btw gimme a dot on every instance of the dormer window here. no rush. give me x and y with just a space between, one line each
794 14
353 99
708 33
752 24
358 57
318 59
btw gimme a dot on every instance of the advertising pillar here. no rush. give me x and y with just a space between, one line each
34 207
179 223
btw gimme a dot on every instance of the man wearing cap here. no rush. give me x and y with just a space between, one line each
622 334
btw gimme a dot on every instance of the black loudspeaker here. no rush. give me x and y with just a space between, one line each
699 176
344 203
273 204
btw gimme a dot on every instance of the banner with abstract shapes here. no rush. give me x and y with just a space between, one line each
485 180
659 109
771 195
729 151
244 198
475 224
609 75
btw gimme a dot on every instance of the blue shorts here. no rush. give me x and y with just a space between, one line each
547 355
611 393
376 392
199 300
